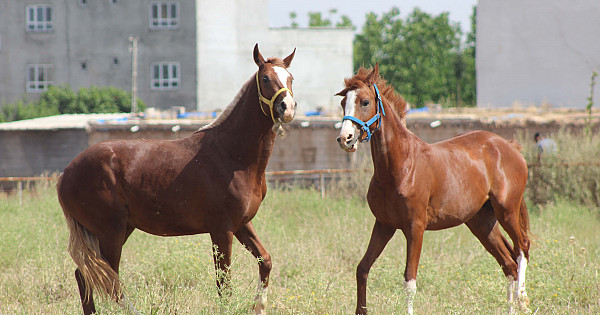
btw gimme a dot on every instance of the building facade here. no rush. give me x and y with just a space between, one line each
537 52
193 54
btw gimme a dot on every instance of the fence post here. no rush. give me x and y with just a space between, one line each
322 180
20 193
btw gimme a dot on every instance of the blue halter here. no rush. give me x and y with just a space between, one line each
365 126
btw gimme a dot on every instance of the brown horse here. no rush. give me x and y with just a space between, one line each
477 178
210 182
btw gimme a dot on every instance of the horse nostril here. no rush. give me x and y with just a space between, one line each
283 106
295 105
349 138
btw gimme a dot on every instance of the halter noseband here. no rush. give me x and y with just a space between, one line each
365 126
267 101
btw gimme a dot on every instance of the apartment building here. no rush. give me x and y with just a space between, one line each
195 54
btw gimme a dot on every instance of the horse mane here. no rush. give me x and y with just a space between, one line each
361 78
225 113
276 62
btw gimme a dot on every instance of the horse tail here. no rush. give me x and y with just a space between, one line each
524 222
84 248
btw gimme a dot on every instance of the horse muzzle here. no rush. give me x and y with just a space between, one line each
286 109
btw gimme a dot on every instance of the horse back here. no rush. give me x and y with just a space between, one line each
163 187
500 158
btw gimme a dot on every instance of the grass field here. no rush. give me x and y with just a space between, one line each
316 245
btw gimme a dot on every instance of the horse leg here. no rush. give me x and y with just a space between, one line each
414 243
513 217
222 243
111 247
247 236
87 304
111 257
379 238
484 226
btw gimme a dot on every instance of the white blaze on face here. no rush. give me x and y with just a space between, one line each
348 127
288 99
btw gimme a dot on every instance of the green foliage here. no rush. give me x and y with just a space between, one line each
421 56
293 16
345 22
588 107
315 19
63 100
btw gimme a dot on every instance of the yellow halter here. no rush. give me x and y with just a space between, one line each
267 101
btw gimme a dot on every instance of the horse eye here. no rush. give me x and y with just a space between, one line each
266 79
365 103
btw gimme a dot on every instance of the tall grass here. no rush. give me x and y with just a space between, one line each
572 173
316 245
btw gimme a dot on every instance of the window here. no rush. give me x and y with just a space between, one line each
39 18
164 15
165 76
39 77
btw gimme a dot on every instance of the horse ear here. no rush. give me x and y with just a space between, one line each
258 58
288 60
342 92
374 74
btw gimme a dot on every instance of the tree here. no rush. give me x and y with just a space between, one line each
468 81
293 17
420 56
345 22
315 19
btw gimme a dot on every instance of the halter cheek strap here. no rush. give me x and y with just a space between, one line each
366 126
267 101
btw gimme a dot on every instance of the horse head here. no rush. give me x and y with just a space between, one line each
274 84
362 108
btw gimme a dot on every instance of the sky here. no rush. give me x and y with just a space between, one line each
279 10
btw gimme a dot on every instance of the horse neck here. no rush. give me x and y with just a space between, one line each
393 146
246 134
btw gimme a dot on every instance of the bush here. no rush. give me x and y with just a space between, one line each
63 100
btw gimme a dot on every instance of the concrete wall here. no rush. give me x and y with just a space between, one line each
32 152
537 51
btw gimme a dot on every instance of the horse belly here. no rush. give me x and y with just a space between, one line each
168 222
453 213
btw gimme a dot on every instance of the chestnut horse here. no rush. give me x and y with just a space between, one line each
476 178
210 182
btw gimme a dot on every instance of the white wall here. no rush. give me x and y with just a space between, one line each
537 51
323 59
226 35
